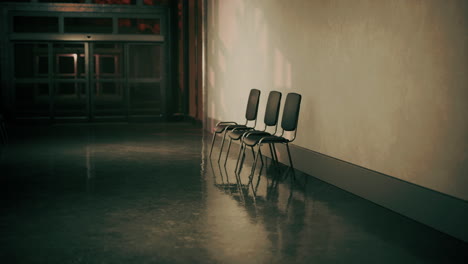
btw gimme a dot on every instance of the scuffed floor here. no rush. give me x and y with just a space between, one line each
147 193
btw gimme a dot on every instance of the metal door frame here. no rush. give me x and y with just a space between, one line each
9 39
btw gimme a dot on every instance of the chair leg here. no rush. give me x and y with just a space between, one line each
222 145
227 152
276 153
238 157
289 155
293 178
271 152
261 156
253 152
261 159
259 152
212 143
274 157
252 172
242 159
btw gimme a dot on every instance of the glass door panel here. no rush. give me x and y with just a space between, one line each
70 99
31 71
55 80
144 68
70 93
108 80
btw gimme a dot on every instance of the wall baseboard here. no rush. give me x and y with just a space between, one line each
440 211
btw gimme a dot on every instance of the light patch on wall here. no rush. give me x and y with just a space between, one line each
260 30
227 21
287 68
222 62
282 70
278 68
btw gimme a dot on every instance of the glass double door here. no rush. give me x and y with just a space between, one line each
88 80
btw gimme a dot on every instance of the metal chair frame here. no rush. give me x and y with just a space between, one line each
290 105
270 120
223 127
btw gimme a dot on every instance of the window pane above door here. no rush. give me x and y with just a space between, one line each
115 2
139 26
35 24
87 25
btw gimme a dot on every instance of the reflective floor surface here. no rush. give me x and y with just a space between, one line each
147 193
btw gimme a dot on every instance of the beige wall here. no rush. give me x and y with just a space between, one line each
384 83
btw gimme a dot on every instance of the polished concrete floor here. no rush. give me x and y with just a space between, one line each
147 193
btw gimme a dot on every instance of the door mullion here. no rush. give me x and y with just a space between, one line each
125 82
51 62
88 80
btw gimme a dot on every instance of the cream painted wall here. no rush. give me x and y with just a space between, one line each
384 83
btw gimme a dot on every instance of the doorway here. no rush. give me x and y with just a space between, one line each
89 80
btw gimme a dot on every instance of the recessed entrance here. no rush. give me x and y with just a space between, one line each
88 80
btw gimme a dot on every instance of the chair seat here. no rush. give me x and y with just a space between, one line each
237 134
253 139
221 128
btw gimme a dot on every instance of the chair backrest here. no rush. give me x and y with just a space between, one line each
252 105
272 108
291 112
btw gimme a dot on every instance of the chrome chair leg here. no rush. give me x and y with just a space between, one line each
252 171
227 152
291 164
276 153
271 152
254 165
222 145
274 157
212 143
238 157
253 153
261 156
242 159
289 155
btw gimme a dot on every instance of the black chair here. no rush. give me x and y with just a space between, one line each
3 130
250 115
270 120
288 124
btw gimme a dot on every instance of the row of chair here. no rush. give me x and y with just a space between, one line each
251 137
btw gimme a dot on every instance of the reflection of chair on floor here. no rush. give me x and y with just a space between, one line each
270 121
234 189
3 130
250 115
288 124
